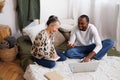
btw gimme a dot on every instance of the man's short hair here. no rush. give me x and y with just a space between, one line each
84 16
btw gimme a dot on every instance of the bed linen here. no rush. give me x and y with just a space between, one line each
108 69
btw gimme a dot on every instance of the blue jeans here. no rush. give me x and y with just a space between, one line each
50 63
82 51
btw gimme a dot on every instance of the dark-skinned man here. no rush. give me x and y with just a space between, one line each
85 42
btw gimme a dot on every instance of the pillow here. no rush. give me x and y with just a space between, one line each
66 35
59 39
32 31
68 21
66 27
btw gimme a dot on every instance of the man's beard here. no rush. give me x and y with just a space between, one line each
84 29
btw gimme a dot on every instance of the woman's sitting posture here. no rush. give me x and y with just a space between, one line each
43 50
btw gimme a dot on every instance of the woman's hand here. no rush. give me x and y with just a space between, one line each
55 57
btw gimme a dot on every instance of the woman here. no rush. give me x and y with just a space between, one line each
43 50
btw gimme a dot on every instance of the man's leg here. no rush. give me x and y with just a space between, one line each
106 45
76 52
44 62
62 56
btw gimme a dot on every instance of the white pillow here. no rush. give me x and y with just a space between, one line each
32 31
66 27
68 21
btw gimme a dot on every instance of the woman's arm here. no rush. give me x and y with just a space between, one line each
39 48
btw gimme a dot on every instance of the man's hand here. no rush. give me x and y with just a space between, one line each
69 46
89 57
86 59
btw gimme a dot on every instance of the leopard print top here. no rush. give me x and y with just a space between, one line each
43 46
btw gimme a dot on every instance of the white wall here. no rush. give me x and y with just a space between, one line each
53 7
8 16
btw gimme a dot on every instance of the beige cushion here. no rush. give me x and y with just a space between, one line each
66 27
66 34
59 39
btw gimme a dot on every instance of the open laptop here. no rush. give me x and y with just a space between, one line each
84 66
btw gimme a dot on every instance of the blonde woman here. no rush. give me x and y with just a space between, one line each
43 50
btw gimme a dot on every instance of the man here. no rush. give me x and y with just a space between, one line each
85 42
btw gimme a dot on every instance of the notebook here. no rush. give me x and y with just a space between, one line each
54 59
53 75
84 67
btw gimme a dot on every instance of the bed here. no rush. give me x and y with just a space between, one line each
108 69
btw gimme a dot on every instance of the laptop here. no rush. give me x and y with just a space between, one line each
84 66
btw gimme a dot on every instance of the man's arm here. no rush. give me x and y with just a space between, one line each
97 40
98 47
72 39
89 57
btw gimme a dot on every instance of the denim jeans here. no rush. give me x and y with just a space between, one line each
82 51
50 63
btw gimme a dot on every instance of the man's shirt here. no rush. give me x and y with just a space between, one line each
84 38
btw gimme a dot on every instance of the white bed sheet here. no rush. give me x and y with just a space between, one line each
109 69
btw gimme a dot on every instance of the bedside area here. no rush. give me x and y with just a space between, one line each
10 68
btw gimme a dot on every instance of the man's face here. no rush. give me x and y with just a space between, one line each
82 24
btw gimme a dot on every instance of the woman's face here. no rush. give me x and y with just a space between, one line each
54 26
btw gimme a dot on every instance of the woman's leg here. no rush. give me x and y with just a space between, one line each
106 45
62 56
44 62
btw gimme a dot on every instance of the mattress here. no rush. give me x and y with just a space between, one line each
108 69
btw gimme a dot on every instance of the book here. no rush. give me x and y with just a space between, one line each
54 59
53 75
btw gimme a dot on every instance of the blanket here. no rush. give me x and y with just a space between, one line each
108 69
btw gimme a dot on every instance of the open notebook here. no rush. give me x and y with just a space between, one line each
84 67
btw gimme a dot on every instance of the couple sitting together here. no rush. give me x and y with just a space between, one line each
84 43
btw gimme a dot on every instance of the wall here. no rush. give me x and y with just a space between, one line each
48 7
56 7
8 16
